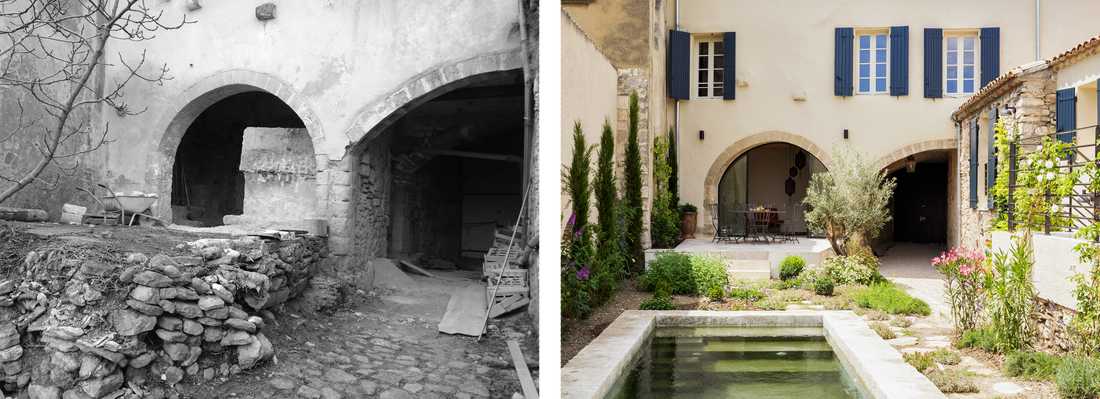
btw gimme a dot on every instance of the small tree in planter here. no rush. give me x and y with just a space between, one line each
848 202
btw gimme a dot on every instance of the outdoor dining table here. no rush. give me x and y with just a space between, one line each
754 231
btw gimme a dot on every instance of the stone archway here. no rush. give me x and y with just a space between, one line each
173 124
913 149
740 147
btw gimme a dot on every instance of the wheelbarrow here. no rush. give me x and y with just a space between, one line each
133 204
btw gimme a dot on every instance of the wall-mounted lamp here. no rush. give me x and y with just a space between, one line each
845 134
910 164
701 135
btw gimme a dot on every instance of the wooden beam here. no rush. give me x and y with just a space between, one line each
477 155
525 380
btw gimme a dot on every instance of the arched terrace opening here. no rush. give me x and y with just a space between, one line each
772 175
244 159
433 184
919 206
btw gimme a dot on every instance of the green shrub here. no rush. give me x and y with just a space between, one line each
1010 294
791 267
708 274
772 304
1078 378
658 302
823 286
953 381
687 275
838 302
873 314
883 330
901 321
922 361
664 218
632 188
746 293
946 357
1031 365
671 268
981 338
890 299
854 269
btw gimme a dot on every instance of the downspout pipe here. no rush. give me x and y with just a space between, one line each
1037 30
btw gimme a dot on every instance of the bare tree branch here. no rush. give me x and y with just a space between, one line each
49 51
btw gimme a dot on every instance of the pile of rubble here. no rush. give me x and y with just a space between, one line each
96 327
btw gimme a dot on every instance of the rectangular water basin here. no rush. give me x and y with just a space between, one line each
704 354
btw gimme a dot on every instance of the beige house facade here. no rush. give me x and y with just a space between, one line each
761 97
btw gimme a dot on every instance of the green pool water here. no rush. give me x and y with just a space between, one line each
737 363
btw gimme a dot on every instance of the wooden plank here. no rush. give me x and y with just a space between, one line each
508 305
464 311
416 268
23 214
525 380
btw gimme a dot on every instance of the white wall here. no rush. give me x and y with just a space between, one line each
1055 263
786 50
589 87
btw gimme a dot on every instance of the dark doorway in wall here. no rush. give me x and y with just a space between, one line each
436 185
919 204
206 182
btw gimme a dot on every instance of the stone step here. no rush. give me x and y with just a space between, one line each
749 269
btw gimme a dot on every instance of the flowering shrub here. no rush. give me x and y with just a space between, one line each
965 284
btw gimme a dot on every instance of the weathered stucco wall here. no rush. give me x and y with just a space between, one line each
615 26
377 56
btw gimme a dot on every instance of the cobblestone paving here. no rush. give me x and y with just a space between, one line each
354 354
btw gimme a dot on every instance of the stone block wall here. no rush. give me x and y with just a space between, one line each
280 189
636 80
372 202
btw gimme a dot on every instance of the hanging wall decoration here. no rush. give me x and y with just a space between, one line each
800 159
789 187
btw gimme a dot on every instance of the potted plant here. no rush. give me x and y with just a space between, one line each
688 216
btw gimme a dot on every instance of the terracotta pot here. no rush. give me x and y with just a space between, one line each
687 225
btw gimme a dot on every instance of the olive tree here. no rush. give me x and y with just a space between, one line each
848 203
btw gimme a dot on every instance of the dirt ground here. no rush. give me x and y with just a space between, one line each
576 334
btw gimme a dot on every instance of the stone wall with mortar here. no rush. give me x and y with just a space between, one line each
95 322
636 80
1026 107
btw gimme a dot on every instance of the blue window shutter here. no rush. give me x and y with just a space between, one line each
729 74
842 67
974 164
1065 114
933 62
899 61
991 54
991 165
679 65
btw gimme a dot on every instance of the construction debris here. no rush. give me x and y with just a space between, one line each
23 214
525 380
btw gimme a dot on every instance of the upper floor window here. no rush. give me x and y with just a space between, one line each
960 63
873 49
710 78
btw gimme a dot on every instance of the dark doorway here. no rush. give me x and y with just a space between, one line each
206 182
920 203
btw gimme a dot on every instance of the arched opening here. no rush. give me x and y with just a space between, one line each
434 184
919 207
227 164
772 175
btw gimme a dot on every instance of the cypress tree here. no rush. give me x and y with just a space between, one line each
632 189
608 266
576 178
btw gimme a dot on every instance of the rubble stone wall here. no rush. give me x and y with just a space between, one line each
372 207
91 325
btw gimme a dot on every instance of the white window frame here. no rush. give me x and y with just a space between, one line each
959 35
872 75
712 42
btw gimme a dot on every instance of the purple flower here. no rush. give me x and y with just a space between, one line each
572 219
582 274
577 234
